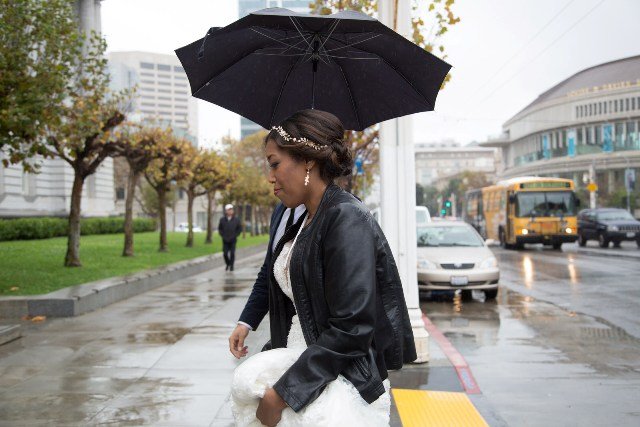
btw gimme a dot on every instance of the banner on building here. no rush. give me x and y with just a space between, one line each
546 150
571 143
607 138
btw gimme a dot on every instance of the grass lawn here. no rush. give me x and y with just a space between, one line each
36 266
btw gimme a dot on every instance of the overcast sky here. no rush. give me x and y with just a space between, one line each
504 53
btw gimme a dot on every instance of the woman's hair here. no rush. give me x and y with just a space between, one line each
324 131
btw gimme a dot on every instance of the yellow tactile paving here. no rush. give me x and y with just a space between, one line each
425 408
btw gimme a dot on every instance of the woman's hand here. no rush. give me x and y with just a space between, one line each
236 341
270 408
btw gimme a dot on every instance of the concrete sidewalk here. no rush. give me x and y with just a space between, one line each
158 358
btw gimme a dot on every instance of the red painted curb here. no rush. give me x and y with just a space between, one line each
462 368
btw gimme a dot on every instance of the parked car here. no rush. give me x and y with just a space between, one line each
184 227
422 215
607 225
452 255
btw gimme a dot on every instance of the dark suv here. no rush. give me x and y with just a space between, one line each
607 225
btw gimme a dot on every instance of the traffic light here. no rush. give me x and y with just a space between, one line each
443 212
447 204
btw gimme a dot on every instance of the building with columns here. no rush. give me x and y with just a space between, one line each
585 128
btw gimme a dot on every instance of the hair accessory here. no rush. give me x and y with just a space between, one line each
304 141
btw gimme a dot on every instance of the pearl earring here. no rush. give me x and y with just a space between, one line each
306 179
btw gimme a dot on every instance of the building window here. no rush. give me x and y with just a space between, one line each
605 107
28 184
633 103
120 193
165 98
147 74
147 65
149 82
590 109
577 111
164 83
181 107
619 135
164 113
599 107
163 67
164 90
148 112
164 105
579 140
147 97
181 99
178 69
147 89
610 108
626 104
615 106
164 76
148 104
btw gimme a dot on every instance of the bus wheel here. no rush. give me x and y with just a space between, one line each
557 246
581 240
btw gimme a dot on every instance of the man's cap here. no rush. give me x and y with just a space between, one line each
228 206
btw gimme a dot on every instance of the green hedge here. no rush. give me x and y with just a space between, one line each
45 228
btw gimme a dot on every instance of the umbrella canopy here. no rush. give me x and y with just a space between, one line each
274 62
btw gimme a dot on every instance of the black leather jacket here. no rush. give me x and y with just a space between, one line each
350 303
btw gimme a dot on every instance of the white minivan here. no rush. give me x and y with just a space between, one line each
422 215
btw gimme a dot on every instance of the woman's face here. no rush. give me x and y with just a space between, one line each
286 174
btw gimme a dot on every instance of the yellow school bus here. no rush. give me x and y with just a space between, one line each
525 210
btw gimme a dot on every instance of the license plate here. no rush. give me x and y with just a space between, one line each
631 234
459 280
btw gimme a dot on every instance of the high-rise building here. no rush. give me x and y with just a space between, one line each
162 89
245 7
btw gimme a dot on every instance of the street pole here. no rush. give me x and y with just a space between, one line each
592 179
397 190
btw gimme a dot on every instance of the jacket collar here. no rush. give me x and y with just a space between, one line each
329 192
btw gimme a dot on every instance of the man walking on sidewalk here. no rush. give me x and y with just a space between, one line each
229 229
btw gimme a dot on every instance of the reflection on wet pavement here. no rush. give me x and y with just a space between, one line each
159 358
537 356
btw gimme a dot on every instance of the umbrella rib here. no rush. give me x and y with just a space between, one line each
276 40
299 30
352 44
284 82
430 104
331 30
353 101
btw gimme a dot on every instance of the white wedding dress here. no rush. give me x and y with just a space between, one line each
339 404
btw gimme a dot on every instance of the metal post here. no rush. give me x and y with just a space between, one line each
592 178
398 195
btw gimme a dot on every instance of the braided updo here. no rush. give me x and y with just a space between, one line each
325 131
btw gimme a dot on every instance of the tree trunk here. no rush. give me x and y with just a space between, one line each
162 213
190 198
253 219
128 212
210 196
72 259
243 217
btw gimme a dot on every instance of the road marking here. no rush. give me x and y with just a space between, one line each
419 408
462 368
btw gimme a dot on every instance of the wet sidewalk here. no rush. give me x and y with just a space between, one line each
159 358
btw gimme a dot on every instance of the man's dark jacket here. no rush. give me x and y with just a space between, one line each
350 303
229 229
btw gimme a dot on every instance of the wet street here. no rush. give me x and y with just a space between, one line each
561 343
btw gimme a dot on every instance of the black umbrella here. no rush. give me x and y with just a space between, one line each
274 62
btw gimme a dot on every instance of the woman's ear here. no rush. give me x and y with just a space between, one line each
310 164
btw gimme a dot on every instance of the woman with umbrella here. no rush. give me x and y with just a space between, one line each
336 306
338 318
